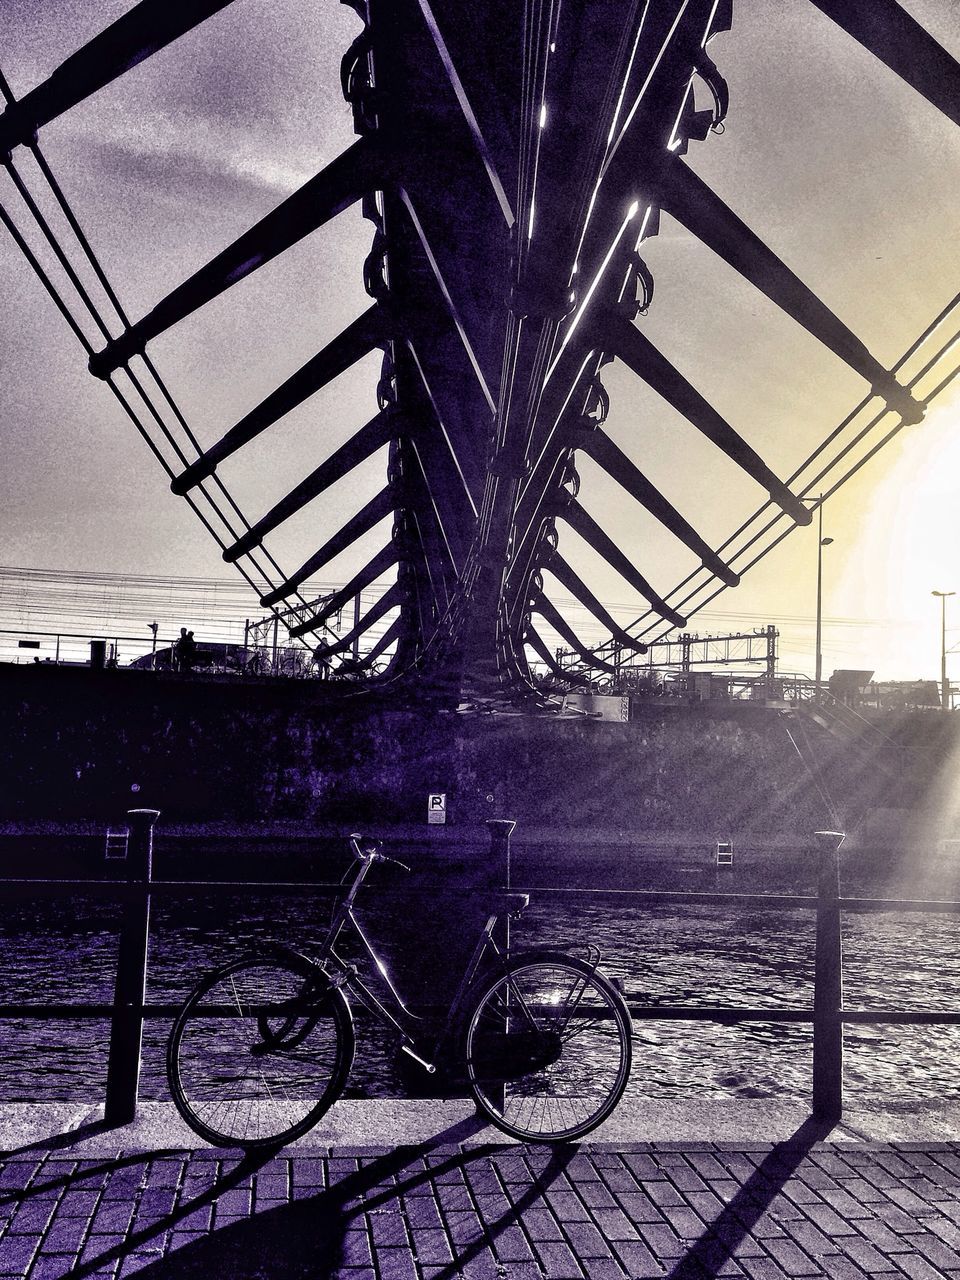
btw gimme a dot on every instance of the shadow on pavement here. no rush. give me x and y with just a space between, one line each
306 1237
61 1141
708 1255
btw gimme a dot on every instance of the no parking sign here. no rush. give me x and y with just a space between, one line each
437 807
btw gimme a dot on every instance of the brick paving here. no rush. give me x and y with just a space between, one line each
766 1212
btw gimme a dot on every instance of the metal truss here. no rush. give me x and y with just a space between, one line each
512 162
687 651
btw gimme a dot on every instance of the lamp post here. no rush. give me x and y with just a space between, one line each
821 543
944 687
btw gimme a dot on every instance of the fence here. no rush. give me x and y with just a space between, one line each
249 656
115 649
129 1007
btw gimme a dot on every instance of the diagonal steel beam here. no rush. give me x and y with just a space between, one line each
367 517
624 340
900 42
389 600
149 27
598 445
555 619
465 465
535 641
361 168
377 432
384 559
687 197
452 538
501 142
392 633
569 578
580 522
358 339
464 312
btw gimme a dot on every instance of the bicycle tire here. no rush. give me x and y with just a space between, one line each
548 1048
259 1052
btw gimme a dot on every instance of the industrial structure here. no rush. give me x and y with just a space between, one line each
512 162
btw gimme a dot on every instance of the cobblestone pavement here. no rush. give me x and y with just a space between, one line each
798 1209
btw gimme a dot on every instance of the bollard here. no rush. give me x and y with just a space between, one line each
126 1025
828 984
500 831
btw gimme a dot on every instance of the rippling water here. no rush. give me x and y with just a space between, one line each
697 955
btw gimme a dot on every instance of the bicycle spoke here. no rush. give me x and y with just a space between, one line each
548 1050
232 1076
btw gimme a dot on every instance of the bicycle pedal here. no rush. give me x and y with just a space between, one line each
427 1066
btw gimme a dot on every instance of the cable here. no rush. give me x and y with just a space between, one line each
701 580
98 319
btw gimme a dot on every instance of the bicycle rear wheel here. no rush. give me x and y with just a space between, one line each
259 1051
548 1048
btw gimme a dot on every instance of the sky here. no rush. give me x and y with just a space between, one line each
846 173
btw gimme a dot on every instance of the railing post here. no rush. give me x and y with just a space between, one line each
500 831
828 984
126 1025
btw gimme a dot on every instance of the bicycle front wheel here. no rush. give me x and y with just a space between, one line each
259 1051
548 1048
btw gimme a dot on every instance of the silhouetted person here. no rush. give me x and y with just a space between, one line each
189 655
185 651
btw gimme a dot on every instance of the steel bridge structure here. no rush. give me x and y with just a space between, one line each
513 161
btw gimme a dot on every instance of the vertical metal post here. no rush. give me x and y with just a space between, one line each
357 608
126 1027
944 686
828 984
500 831
276 629
818 657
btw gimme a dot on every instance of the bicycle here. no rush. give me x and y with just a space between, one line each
263 1046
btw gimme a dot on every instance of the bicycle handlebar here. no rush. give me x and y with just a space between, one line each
369 850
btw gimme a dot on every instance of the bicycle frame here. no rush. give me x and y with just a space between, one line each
343 974
263 1045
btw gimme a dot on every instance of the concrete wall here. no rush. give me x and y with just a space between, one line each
78 744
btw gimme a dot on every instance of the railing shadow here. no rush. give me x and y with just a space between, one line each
63 1141
308 1237
708 1255
137 1238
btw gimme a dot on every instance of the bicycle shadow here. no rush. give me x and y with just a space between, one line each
309 1237
717 1246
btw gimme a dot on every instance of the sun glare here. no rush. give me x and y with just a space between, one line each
903 534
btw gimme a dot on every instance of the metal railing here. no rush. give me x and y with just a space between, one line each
827 1015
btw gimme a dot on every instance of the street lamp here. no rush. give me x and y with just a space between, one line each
944 687
821 543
